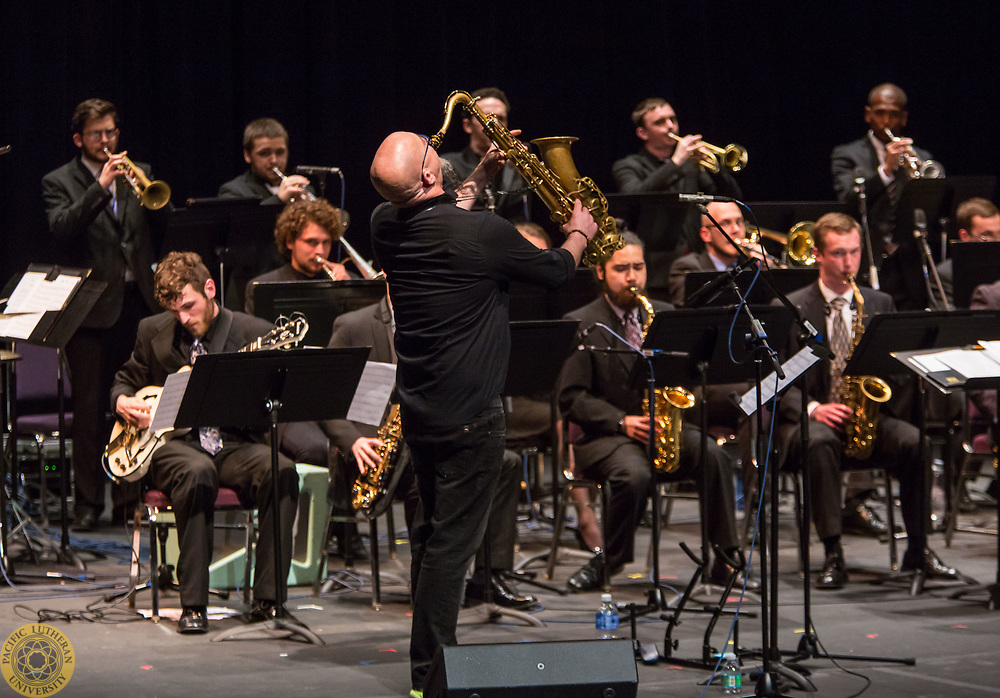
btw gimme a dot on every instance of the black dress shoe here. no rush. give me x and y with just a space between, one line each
589 577
833 575
264 609
501 594
193 621
722 571
87 521
931 565
862 520
351 545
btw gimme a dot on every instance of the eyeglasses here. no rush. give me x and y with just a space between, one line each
426 148
96 135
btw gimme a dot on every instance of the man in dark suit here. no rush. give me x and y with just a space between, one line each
877 159
978 221
265 148
664 164
93 213
191 468
831 307
596 393
507 193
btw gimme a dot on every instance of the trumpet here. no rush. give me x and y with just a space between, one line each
305 192
917 168
734 156
153 195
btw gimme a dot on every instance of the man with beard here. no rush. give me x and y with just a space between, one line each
595 394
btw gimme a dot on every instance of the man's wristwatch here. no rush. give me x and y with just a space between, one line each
621 425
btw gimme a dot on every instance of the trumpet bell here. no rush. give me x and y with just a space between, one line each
735 157
155 195
800 243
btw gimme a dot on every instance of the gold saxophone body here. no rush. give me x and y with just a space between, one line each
862 394
372 486
557 182
669 404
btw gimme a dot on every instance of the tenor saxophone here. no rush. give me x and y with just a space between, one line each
864 395
556 182
372 486
670 403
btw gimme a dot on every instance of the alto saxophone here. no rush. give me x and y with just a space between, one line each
372 486
862 394
557 187
669 403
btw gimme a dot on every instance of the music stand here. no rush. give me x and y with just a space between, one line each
973 264
260 389
703 335
54 329
320 300
530 301
785 280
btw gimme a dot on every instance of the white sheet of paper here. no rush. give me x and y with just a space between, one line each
170 401
928 363
372 396
793 368
34 294
971 363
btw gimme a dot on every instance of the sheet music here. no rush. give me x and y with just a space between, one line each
170 401
971 363
991 347
34 295
372 396
793 368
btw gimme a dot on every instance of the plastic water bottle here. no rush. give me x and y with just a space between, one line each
732 676
606 620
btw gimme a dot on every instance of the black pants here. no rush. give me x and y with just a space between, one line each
457 471
628 471
191 478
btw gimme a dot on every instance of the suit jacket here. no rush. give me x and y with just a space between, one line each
370 326
594 389
693 261
515 207
986 297
668 231
153 358
80 216
248 186
812 305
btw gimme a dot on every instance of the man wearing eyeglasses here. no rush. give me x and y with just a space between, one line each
978 221
100 224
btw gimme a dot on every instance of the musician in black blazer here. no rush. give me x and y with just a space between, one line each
877 159
99 223
595 393
190 469
265 147
897 443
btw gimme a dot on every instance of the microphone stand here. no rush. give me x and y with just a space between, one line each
859 189
927 262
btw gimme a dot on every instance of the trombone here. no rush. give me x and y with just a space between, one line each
733 156
153 195
362 265
798 243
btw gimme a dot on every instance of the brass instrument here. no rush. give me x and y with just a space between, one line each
556 182
798 243
914 166
371 487
153 195
862 394
305 192
669 402
366 269
733 156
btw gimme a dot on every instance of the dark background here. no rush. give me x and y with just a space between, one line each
787 80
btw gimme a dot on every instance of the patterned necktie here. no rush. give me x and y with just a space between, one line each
210 438
633 333
840 343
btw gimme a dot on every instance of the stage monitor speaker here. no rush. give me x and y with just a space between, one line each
566 669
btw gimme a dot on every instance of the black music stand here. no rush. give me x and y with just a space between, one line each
785 280
946 382
530 301
320 300
258 390
973 264
54 329
703 336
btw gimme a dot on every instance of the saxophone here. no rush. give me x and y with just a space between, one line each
556 182
862 394
669 402
372 486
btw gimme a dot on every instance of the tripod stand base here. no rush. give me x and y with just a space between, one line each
493 612
277 628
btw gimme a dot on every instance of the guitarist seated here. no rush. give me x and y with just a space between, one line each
190 468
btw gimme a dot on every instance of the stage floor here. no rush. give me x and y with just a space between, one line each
956 643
